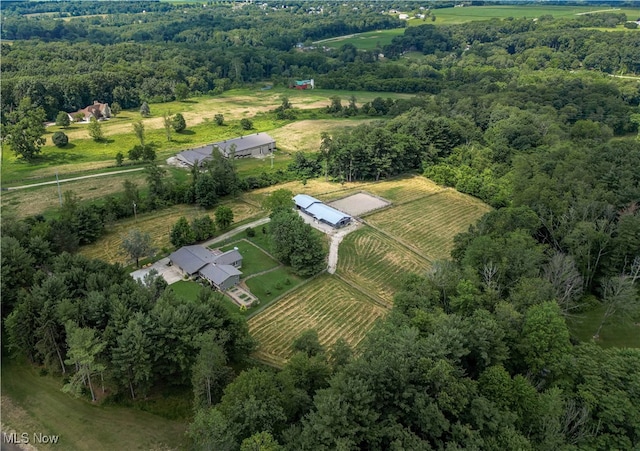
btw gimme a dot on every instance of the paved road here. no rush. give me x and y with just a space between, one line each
53 182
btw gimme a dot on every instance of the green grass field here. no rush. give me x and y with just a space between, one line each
327 304
34 403
429 224
254 260
269 286
377 263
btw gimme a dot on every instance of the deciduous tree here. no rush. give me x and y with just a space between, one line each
24 129
224 217
62 119
137 245
95 130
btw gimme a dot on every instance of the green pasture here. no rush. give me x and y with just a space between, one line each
254 260
365 41
473 13
451 16
34 402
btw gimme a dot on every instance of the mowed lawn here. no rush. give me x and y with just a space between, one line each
327 304
254 260
377 263
33 403
430 223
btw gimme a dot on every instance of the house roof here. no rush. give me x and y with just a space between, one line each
218 274
245 142
231 256
242 143
199 154
326 213
305 201
192 258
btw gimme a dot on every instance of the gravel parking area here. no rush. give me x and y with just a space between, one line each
170 273
358 204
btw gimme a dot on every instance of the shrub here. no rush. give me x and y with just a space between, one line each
62 119
60 139
178 123
251 232
246 124
219 118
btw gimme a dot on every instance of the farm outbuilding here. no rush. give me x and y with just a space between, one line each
219 268
255 145
320 211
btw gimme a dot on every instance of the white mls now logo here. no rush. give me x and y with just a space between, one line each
25 438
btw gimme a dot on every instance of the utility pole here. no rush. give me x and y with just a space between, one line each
272 159
135 213
59 192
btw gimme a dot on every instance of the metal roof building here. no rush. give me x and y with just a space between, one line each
253 145
320 211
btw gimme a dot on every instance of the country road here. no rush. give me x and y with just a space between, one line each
53 182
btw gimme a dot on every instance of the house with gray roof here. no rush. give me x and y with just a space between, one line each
221 269
255 145
320 211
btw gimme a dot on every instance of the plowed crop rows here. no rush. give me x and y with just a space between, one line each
158 225
377 263
326 304
430 224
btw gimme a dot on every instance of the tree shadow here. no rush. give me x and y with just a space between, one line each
57 157
188 101
187 133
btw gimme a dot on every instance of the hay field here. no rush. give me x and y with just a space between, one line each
327 304
429 224
32 201
158 224
304 136
377 263
405 189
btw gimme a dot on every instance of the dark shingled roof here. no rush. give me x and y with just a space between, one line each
218 274
192 258
231 256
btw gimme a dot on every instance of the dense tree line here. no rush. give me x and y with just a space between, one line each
135 57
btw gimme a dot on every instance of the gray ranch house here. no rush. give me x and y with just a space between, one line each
220 269
256 145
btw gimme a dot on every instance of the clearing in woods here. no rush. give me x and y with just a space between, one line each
327 304
417 228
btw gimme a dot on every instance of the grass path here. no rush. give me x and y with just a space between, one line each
33 403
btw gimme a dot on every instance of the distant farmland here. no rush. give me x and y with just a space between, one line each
450 16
